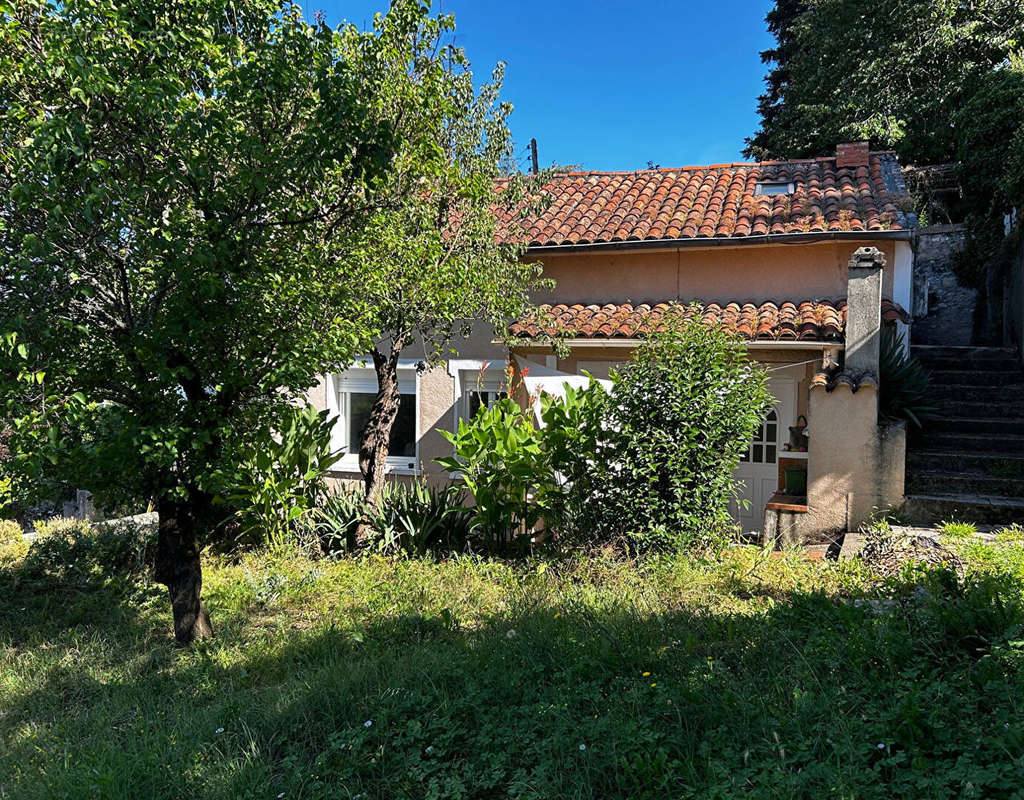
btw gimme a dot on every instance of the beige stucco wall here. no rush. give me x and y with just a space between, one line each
743 273
855 466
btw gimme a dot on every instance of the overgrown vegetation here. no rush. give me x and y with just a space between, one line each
281 476
650 465
190 188
904 383
685 409
586 677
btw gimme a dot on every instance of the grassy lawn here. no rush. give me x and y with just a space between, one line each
581 678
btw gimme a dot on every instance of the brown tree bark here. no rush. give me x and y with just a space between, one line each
373 448
178 566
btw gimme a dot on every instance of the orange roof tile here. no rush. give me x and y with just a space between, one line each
717 201
806 320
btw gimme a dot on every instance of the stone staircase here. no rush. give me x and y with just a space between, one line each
969 463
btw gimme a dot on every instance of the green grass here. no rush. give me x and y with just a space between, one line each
957 529
581 678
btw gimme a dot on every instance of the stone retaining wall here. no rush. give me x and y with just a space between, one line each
943 309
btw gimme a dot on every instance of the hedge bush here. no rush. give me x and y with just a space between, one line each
652 465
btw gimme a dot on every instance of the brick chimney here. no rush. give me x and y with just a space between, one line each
852 154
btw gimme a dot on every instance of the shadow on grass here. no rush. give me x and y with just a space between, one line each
813 696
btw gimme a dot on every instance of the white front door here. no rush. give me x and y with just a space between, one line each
758 470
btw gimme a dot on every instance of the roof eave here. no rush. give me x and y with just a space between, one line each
751 344
725 241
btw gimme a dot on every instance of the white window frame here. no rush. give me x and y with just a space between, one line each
774 188
361 378
466 372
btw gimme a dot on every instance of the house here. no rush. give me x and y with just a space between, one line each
806 259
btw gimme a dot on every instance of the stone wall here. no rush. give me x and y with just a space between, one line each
943 309
1013 316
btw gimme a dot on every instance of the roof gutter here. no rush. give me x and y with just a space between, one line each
725 241
756 344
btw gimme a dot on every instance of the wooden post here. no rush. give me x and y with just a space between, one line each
533 155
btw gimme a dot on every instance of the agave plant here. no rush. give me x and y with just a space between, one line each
418 518
905 383
335 519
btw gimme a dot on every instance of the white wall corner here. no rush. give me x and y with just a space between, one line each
903 276
333 405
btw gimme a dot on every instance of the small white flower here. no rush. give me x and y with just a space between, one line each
280 796
368 723
429 750
881 745
510 635
583 747
219 731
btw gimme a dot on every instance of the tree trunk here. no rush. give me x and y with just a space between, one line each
373 448
178 566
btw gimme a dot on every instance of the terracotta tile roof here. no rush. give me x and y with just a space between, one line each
718 201
807 320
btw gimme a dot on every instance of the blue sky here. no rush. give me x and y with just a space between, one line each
613 85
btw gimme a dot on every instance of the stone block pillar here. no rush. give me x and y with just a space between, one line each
864 311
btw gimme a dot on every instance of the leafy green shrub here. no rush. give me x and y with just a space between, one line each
283 475
683 411
576 439
12 544
500 459
9 531
652 464
904 383
416 518
74 552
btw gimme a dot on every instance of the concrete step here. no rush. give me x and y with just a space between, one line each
974 442
997 426
933 353
970 404
939 482
931 508
995 395
982 377
996 465
974 365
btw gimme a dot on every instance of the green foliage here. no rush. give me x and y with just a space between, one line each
742 677
684 410
12 544
410 519
895 72
417 519
990 149
432 262
957 530
283 474
334 520
651 465
79 555
905 385
500 460
185 185
9 531
577 443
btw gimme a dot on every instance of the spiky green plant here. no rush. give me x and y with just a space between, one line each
904 382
